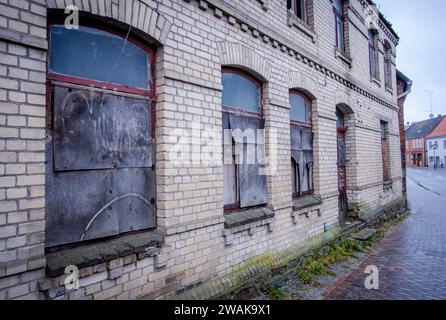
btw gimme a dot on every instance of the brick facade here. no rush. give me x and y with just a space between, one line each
194 40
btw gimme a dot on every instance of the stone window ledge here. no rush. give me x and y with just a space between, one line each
389 90
343 56
375 81
143 245
247 220
305 208
388 185
295 21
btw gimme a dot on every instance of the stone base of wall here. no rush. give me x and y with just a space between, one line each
398 205
254 271
258 273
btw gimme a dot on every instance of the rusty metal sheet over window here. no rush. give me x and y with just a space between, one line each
341 151
100 178
252 180
307 139
302 154
296 138
94 130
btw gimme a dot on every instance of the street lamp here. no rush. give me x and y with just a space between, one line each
434 147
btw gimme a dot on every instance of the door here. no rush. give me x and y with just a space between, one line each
342 173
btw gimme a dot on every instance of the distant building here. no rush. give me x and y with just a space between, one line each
416 151
436 145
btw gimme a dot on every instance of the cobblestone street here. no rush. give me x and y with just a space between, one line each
411 259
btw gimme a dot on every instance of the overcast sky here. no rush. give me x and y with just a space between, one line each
421 54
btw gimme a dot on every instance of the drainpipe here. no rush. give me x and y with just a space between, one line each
409 90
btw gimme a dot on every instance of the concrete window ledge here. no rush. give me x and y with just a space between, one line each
306 207
344 57
294 21
389 90
375 81
388 185
247 220
141 245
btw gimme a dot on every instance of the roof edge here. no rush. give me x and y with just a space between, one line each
386 22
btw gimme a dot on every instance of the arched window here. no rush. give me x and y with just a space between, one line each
94 57
240 91
100 167
301 144
373 54
243 141
340 120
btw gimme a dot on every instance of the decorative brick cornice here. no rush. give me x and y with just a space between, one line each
223 12
390 33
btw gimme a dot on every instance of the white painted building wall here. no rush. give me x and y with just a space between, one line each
438 155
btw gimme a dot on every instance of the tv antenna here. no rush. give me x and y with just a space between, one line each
431 111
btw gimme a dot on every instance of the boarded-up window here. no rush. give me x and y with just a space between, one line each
301 144
100 171
243 142
385 151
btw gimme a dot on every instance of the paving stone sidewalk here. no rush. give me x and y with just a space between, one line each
411 259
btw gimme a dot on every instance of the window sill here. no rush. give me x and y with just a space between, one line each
306 202
146 244
375 81
302 26
344 57
241 218
306 207
247 220
389 90
388 185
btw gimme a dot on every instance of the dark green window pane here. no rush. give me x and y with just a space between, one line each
98 55
339 118
240 93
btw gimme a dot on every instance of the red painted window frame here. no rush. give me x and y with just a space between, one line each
385 144
235 207
52 76
308 125
150 93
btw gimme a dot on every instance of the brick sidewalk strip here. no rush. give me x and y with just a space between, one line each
410 260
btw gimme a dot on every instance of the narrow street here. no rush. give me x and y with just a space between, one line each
411 259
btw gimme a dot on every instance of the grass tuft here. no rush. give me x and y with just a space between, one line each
275 293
